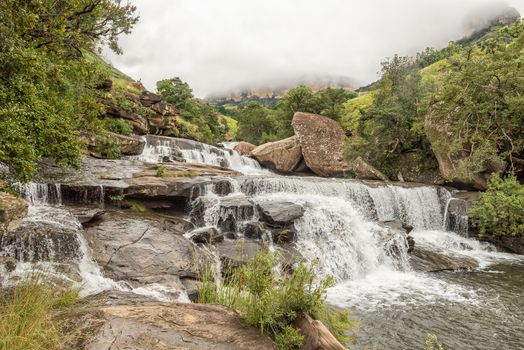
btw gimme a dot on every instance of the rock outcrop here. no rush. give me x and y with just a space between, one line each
144 249
283 156
439 135
12 211
127 145
245 148
322 142
125 321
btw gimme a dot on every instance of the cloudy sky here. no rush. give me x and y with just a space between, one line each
220 45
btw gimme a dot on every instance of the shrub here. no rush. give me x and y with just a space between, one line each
108 146
271 300
160 171
500 210
26 316
118 126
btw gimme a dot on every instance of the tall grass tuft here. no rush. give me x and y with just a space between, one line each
272 300
26 316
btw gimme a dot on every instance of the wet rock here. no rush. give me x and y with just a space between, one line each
284 234
8 263
238 252
230 211
143 250
283 156
428 260
280 214
35 241
244 148
206 235
316 335
135 323
510 244
87 216
12 211
254 230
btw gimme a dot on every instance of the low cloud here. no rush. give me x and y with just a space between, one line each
221 45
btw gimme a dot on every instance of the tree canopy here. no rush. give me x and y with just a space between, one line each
47 88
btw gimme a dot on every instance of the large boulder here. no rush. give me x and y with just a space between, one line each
113 321
244 148
284 155
12 211
322 142
440 136
141 250
425 259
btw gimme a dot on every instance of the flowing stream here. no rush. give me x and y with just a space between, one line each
342 229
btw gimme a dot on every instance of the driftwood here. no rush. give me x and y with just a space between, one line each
316 335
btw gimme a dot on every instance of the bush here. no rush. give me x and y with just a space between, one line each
118 126
26 316
500 210
108 146
271 300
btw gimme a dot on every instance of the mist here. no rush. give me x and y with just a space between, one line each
217 46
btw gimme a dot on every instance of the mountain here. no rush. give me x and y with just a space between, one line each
276 90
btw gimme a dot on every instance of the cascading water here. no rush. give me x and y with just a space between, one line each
159 149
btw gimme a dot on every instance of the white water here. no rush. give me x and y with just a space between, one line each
92 281
370 263
158 149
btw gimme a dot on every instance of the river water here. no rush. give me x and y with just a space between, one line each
341 228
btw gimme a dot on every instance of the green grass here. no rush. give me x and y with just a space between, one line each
26 316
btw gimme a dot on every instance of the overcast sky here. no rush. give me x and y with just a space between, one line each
218 45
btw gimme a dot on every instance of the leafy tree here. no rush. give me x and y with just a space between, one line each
331 101
500 210
299 99
481 101
175 91
392 124
256 123
47 88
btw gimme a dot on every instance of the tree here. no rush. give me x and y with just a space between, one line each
176 92
47 88
482 101
256 124
298 99
331 101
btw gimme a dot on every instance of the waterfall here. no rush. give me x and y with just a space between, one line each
161 149
41 193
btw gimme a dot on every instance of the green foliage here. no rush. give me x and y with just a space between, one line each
260 122
473 91
26 316
47 89
256 123
116 197
160 171
138 207
432 343
176 92
201 121
108 146
500 210
391 125
272 300
118 126
482 102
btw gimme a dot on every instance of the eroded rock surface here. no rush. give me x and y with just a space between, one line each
283 155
